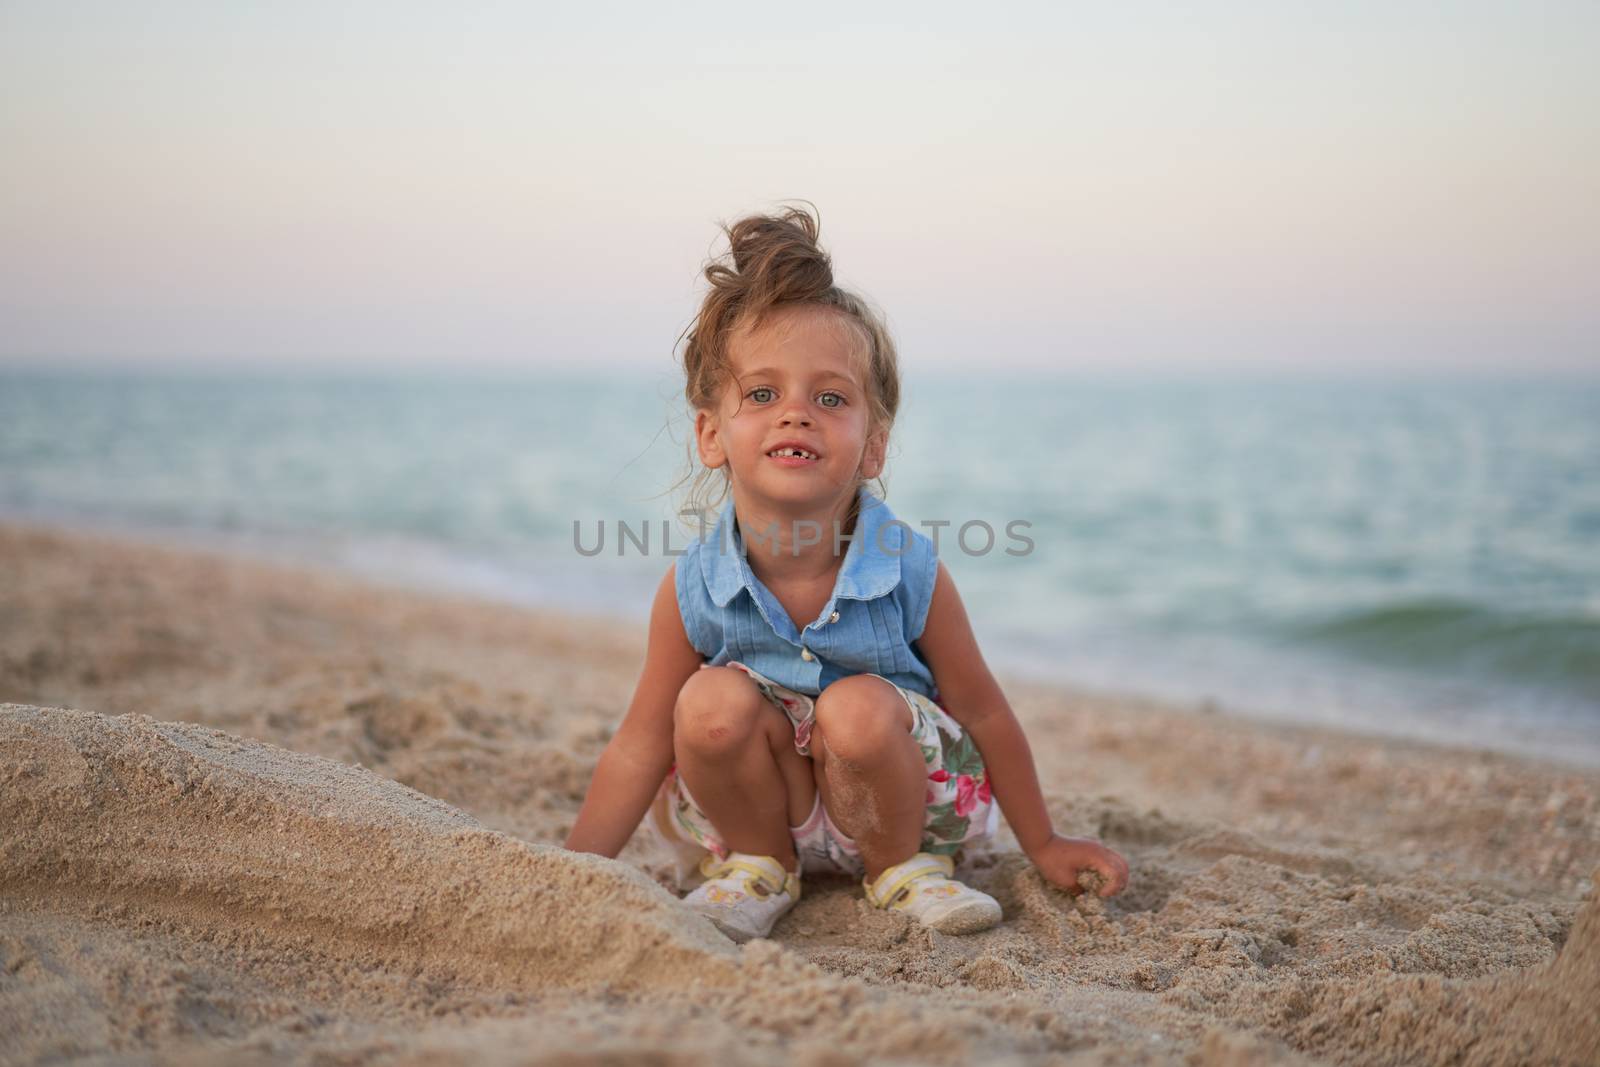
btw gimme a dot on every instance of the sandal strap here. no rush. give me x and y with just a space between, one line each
898 879
759 874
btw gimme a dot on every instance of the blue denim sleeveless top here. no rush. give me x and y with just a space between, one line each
877 610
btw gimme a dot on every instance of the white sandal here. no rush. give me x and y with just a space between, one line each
922 888
744 895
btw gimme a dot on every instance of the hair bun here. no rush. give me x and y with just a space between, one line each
776 259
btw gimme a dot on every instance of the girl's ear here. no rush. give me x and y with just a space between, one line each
708 439
873 459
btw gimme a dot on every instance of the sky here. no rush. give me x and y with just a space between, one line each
1280 187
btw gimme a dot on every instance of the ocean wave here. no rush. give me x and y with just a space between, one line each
1437 634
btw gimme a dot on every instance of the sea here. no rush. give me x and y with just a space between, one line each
1403 557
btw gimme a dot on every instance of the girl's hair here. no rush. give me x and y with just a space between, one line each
773 262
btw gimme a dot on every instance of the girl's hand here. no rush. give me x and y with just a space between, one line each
1061 858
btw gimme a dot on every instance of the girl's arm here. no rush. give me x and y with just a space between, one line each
637 758
974 700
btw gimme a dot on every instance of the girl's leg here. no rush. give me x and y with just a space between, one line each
870 769
735 752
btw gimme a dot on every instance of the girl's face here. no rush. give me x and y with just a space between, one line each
793 387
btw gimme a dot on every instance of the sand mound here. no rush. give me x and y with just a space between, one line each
341 902
178 821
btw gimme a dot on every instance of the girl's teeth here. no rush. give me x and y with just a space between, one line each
792 452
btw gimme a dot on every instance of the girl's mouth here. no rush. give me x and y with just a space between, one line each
793 457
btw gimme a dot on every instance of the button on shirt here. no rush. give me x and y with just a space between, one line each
876 612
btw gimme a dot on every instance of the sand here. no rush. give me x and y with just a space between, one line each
250 814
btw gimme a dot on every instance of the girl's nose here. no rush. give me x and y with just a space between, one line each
795 415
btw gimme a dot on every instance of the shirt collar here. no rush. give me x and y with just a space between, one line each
870 568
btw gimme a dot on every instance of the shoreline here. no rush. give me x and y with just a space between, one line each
285 788
1029 669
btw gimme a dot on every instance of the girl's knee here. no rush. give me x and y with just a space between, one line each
862 716
717 711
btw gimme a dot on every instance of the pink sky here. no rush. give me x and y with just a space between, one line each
1347 186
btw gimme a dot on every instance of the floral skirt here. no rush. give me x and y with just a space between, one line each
959 805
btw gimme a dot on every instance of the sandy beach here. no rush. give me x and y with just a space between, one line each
251 813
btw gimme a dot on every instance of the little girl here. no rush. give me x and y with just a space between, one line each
812 697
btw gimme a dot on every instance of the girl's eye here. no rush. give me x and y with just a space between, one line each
831 400
761 394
